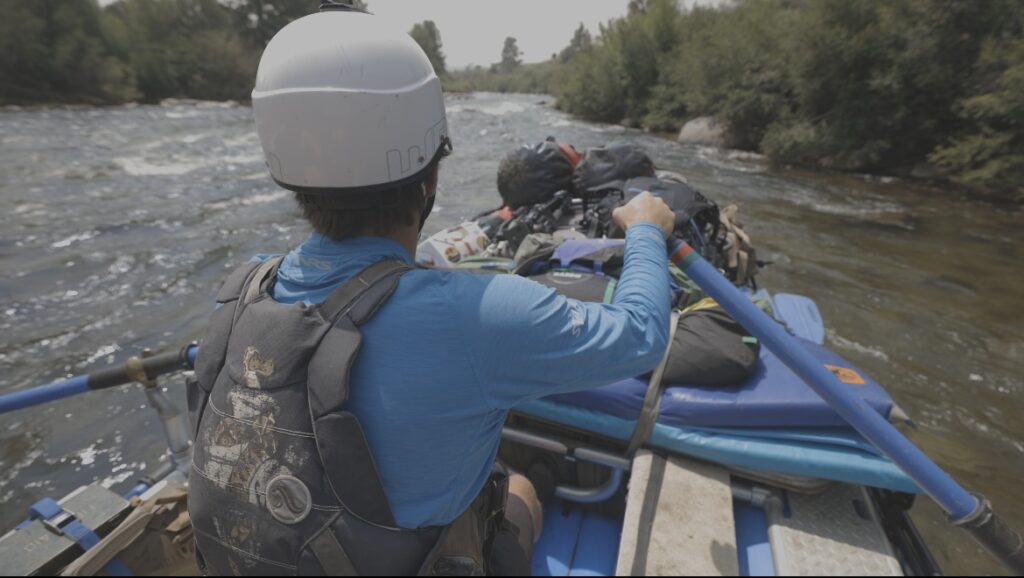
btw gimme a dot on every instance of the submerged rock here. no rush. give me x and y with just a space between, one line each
703 130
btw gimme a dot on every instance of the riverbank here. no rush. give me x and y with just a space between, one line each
883 87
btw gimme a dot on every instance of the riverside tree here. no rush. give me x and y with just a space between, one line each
510 56
428 37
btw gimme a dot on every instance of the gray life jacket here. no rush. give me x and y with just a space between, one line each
283 481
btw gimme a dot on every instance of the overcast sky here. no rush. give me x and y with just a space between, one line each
474 31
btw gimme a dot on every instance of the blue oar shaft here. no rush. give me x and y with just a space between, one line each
966 511
44 393
149 367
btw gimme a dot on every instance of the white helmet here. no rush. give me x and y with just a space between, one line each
345 103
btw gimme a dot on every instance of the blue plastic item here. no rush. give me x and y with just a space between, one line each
752 546
576 542
552 554
773 397
842 463
597 552
573 249
801 316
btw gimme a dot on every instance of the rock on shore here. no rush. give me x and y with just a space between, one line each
704 130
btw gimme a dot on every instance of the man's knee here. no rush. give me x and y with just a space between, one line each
524 507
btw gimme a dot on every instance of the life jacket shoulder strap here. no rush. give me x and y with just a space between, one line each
361 296
357 485
238 280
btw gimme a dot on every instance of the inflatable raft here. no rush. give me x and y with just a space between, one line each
761 478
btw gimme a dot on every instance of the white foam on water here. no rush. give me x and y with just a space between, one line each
88 455
249 159
122 265
176 115
141 167
67 242
734 160
104 351
560 123
502 109
26 207
111 480
854 346
193 138
249 138
248 201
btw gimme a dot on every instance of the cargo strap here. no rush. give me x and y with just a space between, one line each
652 399
150 514
331 555
63 523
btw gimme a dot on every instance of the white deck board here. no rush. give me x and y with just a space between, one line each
679 520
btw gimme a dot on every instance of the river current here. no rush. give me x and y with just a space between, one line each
117 224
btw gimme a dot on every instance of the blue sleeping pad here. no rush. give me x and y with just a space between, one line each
838 454
800 314
773 397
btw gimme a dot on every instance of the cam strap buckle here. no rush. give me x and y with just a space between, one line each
63 523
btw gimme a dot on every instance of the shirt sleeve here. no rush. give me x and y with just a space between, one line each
535 342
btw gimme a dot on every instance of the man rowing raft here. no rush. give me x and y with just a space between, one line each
349 406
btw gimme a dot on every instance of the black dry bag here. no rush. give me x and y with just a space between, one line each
533 174
710 348
609 167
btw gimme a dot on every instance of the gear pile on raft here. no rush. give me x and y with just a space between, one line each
555 227
722 420
720 397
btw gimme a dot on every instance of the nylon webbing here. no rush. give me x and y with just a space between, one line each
331 555
652 399
259 282
350 291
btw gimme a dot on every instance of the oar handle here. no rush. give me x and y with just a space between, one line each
135 369
964 508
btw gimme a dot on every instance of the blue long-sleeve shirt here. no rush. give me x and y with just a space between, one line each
450 353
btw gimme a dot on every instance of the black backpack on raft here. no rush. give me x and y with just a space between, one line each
712 349
697 219
608 168
533 174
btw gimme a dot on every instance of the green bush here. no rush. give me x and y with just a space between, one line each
990 153
879 85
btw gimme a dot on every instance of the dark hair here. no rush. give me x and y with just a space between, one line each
398 207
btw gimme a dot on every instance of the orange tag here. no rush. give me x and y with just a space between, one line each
846 375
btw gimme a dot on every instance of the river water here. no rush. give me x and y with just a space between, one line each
117 224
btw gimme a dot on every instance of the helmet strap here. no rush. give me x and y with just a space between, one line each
428 206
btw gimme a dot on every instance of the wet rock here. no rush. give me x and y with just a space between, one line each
703 130
630 123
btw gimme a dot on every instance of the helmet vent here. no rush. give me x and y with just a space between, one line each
331 5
